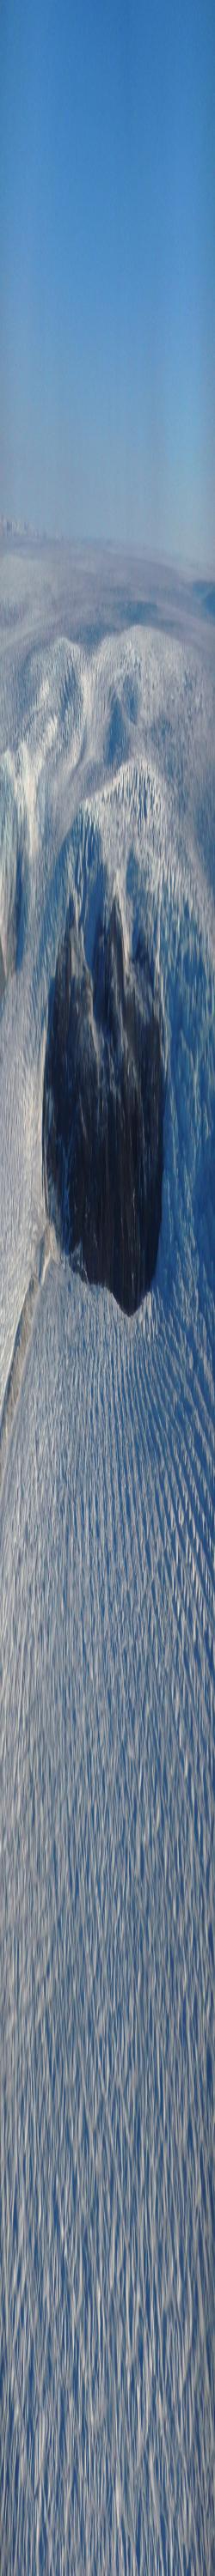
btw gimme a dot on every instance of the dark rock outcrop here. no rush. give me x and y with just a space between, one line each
103 1112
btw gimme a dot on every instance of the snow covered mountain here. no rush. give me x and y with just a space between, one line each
107 799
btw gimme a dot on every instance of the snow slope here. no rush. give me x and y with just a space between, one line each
107 1623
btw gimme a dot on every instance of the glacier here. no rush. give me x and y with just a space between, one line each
107 800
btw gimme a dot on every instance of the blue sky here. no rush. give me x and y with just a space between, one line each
107 286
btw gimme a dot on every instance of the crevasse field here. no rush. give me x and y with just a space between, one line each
107 786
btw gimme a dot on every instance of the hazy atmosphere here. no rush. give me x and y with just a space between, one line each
107 225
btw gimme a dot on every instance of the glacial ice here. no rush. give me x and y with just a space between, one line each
107 1642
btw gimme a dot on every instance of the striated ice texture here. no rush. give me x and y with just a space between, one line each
107 1938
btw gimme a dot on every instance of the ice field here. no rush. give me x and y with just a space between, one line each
107 791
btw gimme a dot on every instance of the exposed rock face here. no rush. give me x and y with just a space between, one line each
103 1112
13 878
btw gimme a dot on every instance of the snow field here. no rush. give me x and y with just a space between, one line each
107 1764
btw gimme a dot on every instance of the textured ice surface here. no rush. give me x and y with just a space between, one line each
107 1632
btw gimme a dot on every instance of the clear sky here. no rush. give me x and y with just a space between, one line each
107 289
